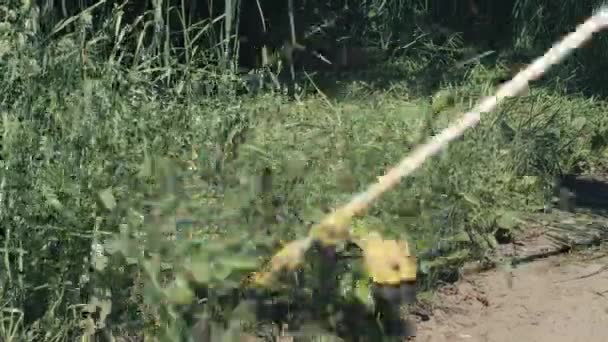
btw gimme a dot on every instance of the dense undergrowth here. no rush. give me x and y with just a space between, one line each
118 194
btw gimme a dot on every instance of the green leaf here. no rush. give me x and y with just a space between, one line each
180 292
579 122
507 220
240 262
530 182
221 271
425 267
471 199
491 239
152 294
442 100
313 214
114 245
145 169
51 198
100 262
215 246
200 270
458 255
461 236
363 293
107 198
131 261
453 258
296 167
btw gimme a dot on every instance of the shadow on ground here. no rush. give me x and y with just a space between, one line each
585 192
430 74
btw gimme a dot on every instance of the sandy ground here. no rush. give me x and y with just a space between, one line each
540 301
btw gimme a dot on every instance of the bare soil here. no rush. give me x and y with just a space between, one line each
540 301
561 297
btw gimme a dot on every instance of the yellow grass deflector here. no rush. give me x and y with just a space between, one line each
388 262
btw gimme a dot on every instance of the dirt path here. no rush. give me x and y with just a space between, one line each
558 298
538 301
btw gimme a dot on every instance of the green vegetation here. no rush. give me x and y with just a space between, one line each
139 188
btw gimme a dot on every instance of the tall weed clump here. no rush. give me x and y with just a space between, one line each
77 122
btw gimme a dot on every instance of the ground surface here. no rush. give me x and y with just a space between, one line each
563 297
538 301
